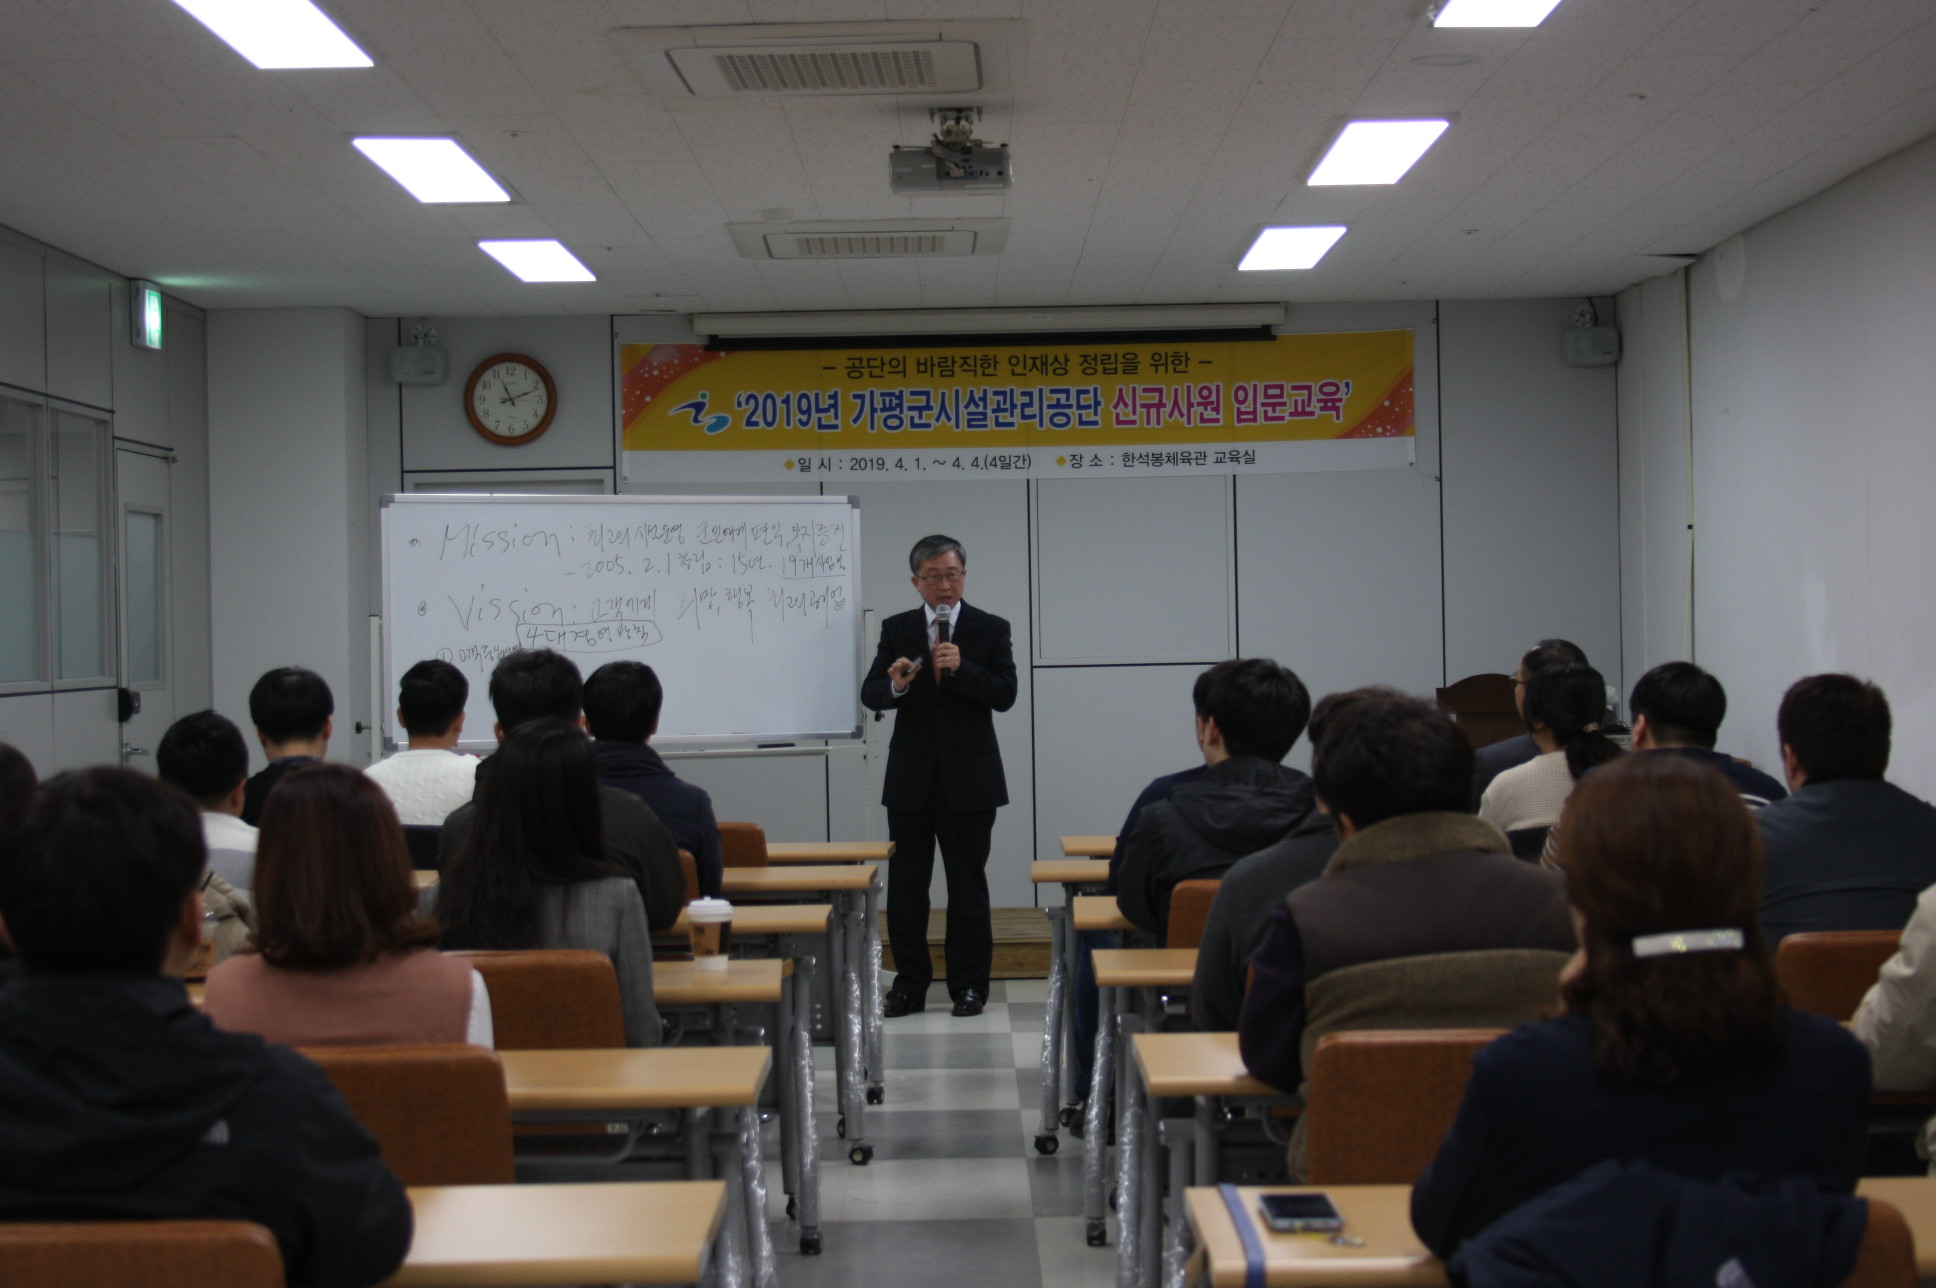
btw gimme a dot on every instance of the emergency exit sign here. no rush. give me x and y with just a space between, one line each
146 300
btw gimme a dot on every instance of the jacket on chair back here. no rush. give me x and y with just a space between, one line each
946 727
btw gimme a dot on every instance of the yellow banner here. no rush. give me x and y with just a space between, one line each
1292 402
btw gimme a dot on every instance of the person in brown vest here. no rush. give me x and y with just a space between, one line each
343 956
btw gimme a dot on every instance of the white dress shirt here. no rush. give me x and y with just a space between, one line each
934 634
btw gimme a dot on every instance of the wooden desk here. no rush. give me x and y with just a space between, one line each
1915 1198
423 877
1088 847
1392 1256
829 851
770 919
1145 967
685 984
656 1232
797 879
623 1080
1078 872
1194 1064
1097 912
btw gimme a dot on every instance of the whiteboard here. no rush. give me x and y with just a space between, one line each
747 607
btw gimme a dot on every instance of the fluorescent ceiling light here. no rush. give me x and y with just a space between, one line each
1375 152
275 34
998 321
433 170
1493 13
1281 248
538 260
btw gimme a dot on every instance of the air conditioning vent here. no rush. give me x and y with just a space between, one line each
937 66
874 239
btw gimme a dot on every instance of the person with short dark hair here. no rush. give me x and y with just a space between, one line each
1566 704
204 757
1677 710
1675 1050
118 1099
1249 712
540 684
533 870
1422 919
1847 850
292 709
622 705
342 956
1496 758
429 778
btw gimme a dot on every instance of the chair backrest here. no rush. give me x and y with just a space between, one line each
1380 1100
551 999
1887 1257
439 1113
742 845
1828 972
689 868
421 838
1189 909
139 1254
1482 707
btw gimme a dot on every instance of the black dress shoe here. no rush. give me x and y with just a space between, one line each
970 1002
897 1004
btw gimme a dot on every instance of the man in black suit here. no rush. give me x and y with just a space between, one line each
944 669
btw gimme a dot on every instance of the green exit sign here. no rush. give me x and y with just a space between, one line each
146 299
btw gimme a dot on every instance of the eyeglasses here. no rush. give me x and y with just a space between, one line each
940 578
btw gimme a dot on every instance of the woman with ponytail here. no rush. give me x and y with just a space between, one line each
1565 707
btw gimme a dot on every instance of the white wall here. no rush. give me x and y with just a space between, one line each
1814 430
289 515
1655 542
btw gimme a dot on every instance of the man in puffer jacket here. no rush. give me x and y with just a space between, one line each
1249 711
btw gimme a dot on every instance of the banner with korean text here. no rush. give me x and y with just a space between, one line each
1293 402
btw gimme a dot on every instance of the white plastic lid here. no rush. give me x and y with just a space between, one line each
709 910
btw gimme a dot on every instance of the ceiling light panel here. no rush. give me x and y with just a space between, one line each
435 171
1277 249
1493 13
538 260
278 34
1375 152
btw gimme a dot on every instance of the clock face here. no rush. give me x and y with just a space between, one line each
510 399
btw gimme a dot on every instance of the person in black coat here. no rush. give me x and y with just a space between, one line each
944 669
622 705
1675 1049
119 1101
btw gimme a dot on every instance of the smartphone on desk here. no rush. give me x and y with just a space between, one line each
1300 1213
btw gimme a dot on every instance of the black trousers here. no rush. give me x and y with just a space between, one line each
964 838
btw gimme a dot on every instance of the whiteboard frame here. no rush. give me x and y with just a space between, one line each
782 742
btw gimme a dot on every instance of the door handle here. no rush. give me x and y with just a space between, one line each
129 749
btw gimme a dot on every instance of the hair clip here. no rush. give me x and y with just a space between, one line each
1675 942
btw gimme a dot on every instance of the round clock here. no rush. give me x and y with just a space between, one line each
510 399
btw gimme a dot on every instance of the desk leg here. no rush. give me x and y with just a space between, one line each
837 1007
1209 1160
1045 1138
1095 1135
871 990
1071 955
852 1030
783 1051
806 1129
1178 1139
752 1179
732 1246
1132 1220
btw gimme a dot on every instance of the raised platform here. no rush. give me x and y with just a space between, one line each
1021 943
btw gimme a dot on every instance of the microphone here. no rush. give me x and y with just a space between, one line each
943 623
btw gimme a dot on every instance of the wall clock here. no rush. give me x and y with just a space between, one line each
510 399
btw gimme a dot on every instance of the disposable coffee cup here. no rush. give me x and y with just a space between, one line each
710 922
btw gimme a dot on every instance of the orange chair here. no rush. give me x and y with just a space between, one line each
551 999
1380 1100
689 868
742 845
1887 1257
139 1254
439 1113
1189 909
1828 972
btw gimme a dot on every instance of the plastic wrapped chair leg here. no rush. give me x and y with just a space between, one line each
1129 1188
1045 1137
807 1197
759 1236
1095 1134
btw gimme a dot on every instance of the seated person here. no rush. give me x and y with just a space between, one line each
118 1099
1253 888
622 704
430 777
1897 1018
1565 705
203 756
1847 850
1422 919
292 710
532 871
539 684
1248 713
1678 1055
1677 711
342 957
1496 758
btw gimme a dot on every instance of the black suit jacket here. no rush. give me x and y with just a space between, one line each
946 728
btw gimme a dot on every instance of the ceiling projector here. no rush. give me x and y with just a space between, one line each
954 161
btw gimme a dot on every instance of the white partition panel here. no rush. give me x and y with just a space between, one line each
1102 732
